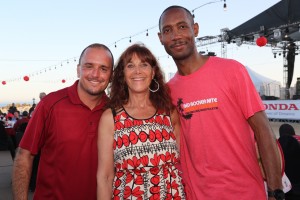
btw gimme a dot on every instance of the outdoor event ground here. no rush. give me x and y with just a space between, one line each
6 165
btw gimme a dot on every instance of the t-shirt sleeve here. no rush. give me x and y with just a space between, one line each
247 97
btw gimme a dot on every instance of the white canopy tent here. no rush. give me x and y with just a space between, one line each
264 85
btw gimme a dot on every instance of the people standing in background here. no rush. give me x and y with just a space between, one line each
221 116
42 95
24 119
16 116
12 108
31 109
9 120
6 142
291 151
287 129
64 128
137 149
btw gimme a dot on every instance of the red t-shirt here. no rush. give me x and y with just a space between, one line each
217 148
65 131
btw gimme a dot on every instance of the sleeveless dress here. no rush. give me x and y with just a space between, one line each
145 157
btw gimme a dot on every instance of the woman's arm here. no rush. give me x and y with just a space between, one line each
175 120
105 172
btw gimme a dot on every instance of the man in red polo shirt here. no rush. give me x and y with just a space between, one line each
24 119
64 129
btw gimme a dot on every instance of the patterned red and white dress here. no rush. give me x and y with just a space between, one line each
145 156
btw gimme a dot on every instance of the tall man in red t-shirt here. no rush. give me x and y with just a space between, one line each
64 129
221 113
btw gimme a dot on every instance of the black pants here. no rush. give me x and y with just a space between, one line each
11 147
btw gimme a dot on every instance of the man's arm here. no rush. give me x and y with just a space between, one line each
268 150
21 174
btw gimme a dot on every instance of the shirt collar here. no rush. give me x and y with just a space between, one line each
74 97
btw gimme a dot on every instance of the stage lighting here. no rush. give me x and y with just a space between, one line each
238 41
255 37
225 5
287 31
277 34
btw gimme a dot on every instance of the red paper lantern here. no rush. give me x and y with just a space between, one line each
63 81
26 78
261 41
3 82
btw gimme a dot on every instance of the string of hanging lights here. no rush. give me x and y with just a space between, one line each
40 71
211 2
129 38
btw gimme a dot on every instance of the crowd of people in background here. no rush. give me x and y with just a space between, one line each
11 122
15 121
12 127
12 115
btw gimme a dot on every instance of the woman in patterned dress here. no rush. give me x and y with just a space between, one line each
137 146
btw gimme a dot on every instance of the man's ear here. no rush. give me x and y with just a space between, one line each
78 71
160 37
196 29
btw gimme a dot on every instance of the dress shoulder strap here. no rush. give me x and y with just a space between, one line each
116 112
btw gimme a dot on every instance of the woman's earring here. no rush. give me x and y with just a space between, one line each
155 90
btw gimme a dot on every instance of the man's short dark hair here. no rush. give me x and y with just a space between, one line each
176 7
97 45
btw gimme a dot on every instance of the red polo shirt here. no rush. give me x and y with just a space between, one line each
19 122
65 131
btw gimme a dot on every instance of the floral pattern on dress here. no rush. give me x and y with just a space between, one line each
145 156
